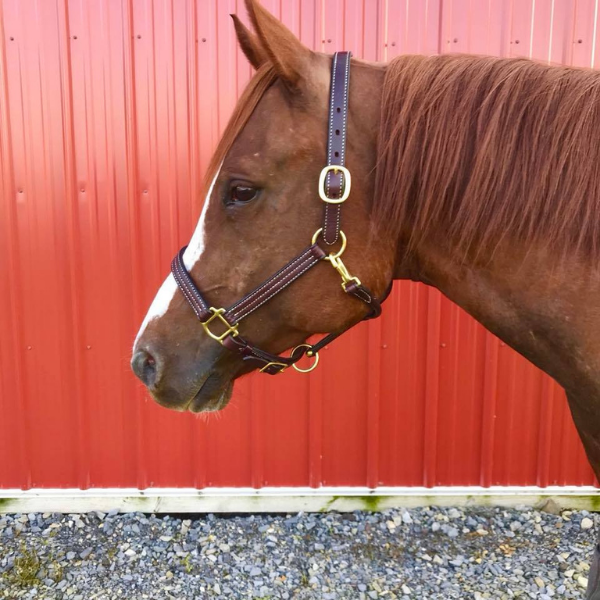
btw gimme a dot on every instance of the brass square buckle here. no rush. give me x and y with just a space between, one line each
347 184
217 313
278 364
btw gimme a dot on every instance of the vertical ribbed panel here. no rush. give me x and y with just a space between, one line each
109 113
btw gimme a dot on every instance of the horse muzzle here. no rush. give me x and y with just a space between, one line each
178 384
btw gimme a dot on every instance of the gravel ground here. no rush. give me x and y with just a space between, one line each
427 553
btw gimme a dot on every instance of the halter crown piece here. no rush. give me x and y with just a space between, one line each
334 189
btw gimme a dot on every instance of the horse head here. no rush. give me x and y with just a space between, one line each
262 208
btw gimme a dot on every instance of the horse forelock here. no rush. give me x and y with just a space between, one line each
484 150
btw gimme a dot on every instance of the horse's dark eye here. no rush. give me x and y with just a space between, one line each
243 193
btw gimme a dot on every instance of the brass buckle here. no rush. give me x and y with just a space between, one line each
310 353
347 184
339 252
217 313
282 365
340 267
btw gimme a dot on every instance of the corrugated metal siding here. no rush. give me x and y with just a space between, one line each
109 112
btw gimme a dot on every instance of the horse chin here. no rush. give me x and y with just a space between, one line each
214 395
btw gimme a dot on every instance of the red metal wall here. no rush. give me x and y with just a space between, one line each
109 112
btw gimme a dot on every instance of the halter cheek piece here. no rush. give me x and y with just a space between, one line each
334 189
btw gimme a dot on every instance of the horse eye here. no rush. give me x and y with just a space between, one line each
243 193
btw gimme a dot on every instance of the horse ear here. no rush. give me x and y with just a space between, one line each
282 47
249 44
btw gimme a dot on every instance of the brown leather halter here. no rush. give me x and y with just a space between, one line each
334 189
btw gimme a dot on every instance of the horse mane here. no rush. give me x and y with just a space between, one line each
475 151
262 80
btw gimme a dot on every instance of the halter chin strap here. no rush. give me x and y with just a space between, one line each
221 324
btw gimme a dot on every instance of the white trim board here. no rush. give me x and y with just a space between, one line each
289 500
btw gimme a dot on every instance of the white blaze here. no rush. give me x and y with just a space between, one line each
191 256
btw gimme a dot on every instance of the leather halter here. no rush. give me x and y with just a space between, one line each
334 188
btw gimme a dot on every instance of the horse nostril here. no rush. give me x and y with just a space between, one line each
144 365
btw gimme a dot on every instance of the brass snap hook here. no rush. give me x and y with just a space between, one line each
340 267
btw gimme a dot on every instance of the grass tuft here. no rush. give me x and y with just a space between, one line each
25 569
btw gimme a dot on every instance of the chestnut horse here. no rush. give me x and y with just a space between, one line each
479 176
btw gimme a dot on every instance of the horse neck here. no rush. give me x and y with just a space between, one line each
540 295
450 234
545 310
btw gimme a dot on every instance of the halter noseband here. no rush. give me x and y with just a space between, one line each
334 189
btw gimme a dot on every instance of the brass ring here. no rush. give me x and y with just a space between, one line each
313 366
331 255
